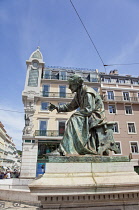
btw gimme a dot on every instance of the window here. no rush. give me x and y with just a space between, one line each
112 109
110 95
93 78
55 75
46 75
44 148
43 127
131 128
33 78
44 106
126 96
62 91
119 147
46 90
108 80
115 128
27 141
135 82
128 109
61 127
113 80
127 81
121 81
63 75
134 147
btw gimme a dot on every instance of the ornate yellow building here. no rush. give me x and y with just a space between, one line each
44 129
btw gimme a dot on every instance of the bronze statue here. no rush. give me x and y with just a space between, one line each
87 132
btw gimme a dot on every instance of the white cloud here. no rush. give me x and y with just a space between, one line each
13 123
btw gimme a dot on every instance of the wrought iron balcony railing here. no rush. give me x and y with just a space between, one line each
57 95
48 133
121 99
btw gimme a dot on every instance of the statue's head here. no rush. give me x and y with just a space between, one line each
75 82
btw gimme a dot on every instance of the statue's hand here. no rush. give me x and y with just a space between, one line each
52 107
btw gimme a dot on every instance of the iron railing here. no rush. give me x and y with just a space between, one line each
57 77
120 98
48 133
57 95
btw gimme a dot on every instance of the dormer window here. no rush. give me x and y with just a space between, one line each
108 80
121 81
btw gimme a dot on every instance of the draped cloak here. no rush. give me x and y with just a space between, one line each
76 139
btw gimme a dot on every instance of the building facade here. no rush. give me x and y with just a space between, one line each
43 129
9 157
121 100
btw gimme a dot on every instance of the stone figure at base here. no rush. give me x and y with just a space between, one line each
87 132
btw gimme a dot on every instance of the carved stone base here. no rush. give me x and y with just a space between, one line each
83 159
91 186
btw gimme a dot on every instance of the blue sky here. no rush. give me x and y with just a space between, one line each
55 27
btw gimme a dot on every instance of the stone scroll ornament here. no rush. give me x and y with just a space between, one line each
86 132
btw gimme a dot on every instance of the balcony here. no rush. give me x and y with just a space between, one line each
49 133
56 95
121 99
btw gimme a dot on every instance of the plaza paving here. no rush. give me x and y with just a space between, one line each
16 206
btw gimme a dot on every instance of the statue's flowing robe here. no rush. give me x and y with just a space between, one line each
76 139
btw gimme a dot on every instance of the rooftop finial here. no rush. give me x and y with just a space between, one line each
38 47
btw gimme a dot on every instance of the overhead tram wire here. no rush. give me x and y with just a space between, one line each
88 34
7 110
118 64
104 65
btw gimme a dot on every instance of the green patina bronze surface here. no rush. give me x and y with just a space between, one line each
83 159
86 132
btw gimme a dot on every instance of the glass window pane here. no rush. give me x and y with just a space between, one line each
131 127
119 147
63 75
115 128
128 109
110 95
121 81
112 109
43 125
61 128
44 106
107 80
46 90
134 147
62 91
46 75
126 96
33 78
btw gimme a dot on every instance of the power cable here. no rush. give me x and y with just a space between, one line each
88 34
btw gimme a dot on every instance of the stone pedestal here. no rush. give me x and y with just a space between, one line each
29 159
88 185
